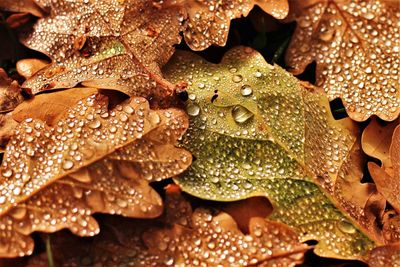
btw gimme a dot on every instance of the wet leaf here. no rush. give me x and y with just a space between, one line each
208 21
355 45
50 108
256 131
109 44
388 256
91 160
186 238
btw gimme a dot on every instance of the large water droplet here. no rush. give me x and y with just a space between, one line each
241 114
246 90
7 173
95 124
193 109
237 78
67 164
346 227
154 118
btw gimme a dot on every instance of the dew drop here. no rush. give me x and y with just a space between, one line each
241 114
7 173
67 164
346 227
154 118
193 109
95 124
237 78
246 90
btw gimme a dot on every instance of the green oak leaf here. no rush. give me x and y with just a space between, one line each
257 131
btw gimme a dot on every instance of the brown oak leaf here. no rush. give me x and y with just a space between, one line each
388 184
109 44
208 21
92 160
355 45
188 238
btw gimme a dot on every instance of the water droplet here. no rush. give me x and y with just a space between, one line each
241 114
246 90
154 118
193 109
67 164
346 227
95 124
237 78
128 109
7 173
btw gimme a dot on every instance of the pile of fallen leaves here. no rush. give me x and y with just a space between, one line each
148 155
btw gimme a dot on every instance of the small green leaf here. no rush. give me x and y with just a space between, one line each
255 130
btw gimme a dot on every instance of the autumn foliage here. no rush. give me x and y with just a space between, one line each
275 142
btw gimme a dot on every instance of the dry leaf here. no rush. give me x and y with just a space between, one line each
208 21
389 185
92 160
355 44
385 256
109 44
256 131
376 140
10 93
186 238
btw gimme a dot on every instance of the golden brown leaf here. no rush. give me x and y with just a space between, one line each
208 21
355 44
385 256
50 108
186 238
56 177
109 44
389 185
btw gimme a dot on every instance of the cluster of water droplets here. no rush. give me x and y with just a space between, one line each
356 45
117 45
208 21
203 238
40 156
255 130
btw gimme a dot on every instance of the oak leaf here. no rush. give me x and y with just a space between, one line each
387 179
109 44
256 131
355 45
92 160
188 238
208 22
380 140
